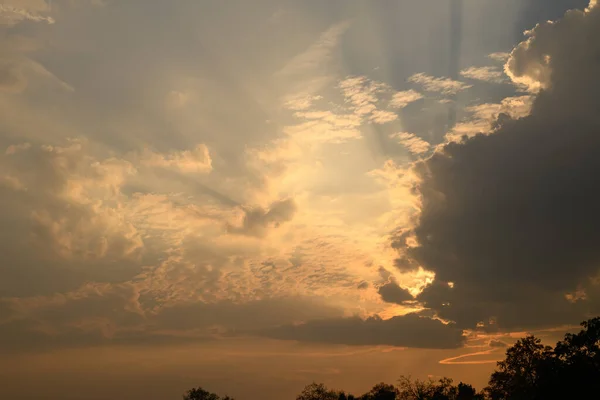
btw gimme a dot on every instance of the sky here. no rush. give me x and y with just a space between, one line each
251 196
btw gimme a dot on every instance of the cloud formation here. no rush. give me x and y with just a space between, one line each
257 221
391 292
510 218
195 182
410 330
404 98
12 12
412 142
363 96
443 85
486 74
483 118
197 160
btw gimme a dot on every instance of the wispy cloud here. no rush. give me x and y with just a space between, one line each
301 102
486 74
363 96
404 98
196 160
464 359
483 116
443 85
11 15
309 71
412 142
325 127
499 56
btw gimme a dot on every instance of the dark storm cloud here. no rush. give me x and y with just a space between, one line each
535 11
391 292
512 218
409 330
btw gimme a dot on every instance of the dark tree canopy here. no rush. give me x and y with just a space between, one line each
518 376
381 391
318 391
201 394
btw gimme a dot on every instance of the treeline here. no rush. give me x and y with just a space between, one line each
530 371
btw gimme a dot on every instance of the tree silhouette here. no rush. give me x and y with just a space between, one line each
343 396
532 371
381 391
467 392
442 389
201 394
318 391
518 375
577 362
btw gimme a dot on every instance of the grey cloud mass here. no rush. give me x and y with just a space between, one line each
102 314
511 218
409 330
391 292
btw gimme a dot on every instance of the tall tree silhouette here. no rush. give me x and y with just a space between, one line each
518 377
532 371
578 362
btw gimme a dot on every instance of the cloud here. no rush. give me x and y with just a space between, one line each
69 200
497 343
105 314
382 117
476 358
484 117
309 71
363 95
442 85
14 148
236 318
12 79
12 15
499 56
510 218
176 99
325 127
301 102
152 214
12 182
410 330
486 74
412 142
197 160
391 292
404 98
257 221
